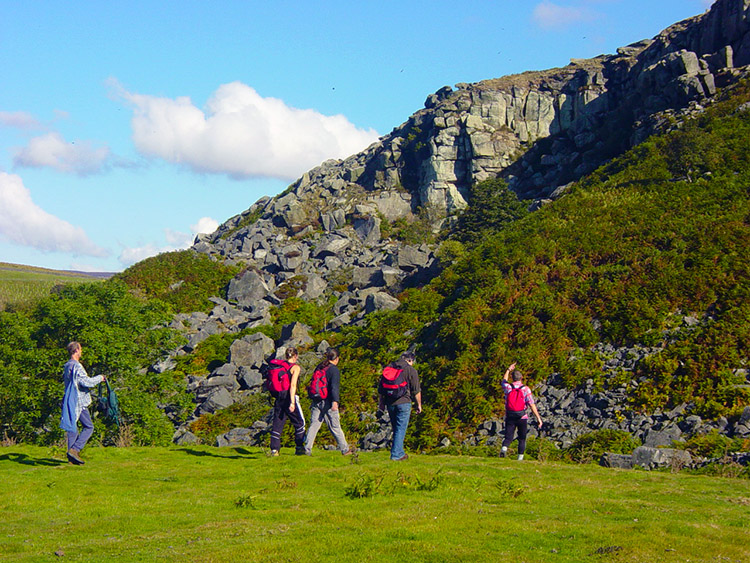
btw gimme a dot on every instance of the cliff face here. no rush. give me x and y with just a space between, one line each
328 233
539 130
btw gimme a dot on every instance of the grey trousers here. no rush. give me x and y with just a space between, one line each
77 441
320 411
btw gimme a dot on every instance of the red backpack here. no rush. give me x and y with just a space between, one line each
393 383
515 402
278 377
318 388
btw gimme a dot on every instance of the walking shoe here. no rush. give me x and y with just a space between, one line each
274 453
403 458
520 457
502 453
350 451
300 451
74 458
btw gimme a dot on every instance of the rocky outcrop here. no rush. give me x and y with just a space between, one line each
540 130
332 232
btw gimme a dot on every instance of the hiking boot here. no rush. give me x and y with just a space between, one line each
74 457
402 458
274 453
502 453
350 451
300 451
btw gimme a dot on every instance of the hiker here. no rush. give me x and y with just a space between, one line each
75 403
324 394
398 386
287 406
517 397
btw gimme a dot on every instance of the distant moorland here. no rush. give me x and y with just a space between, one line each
21 285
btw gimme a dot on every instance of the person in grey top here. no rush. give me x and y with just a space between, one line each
76 402
327 409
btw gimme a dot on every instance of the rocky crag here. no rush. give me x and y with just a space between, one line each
330 232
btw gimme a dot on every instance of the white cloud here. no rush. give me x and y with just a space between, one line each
52 151
23 222
240 133
176 240
205 225
19 120
552 16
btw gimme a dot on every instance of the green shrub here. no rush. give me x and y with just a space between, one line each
591 446
246 501
722 469
184 278
314 314
209 354
415 230
491 205
712 445
239 415
542 449
508 488
365 486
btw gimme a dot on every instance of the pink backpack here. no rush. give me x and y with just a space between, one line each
318 388
278 377
393 383
515 402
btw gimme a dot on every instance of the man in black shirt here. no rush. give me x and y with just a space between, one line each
396 395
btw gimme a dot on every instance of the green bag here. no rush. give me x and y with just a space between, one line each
108 404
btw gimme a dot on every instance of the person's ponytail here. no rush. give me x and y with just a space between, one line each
330 356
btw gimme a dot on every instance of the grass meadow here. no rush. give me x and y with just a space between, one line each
235 504
21 286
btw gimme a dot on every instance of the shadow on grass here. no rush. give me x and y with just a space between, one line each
243 453
24 459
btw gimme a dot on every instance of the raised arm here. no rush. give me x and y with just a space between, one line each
511 367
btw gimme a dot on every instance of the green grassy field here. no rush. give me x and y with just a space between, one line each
236 504
23 285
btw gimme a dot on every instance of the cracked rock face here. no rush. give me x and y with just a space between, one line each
327 234
539 130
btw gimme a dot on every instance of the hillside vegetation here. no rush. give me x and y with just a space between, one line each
183 279
659 235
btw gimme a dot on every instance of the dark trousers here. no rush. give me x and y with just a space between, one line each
513 423
281 413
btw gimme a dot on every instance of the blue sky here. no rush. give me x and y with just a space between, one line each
128 127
